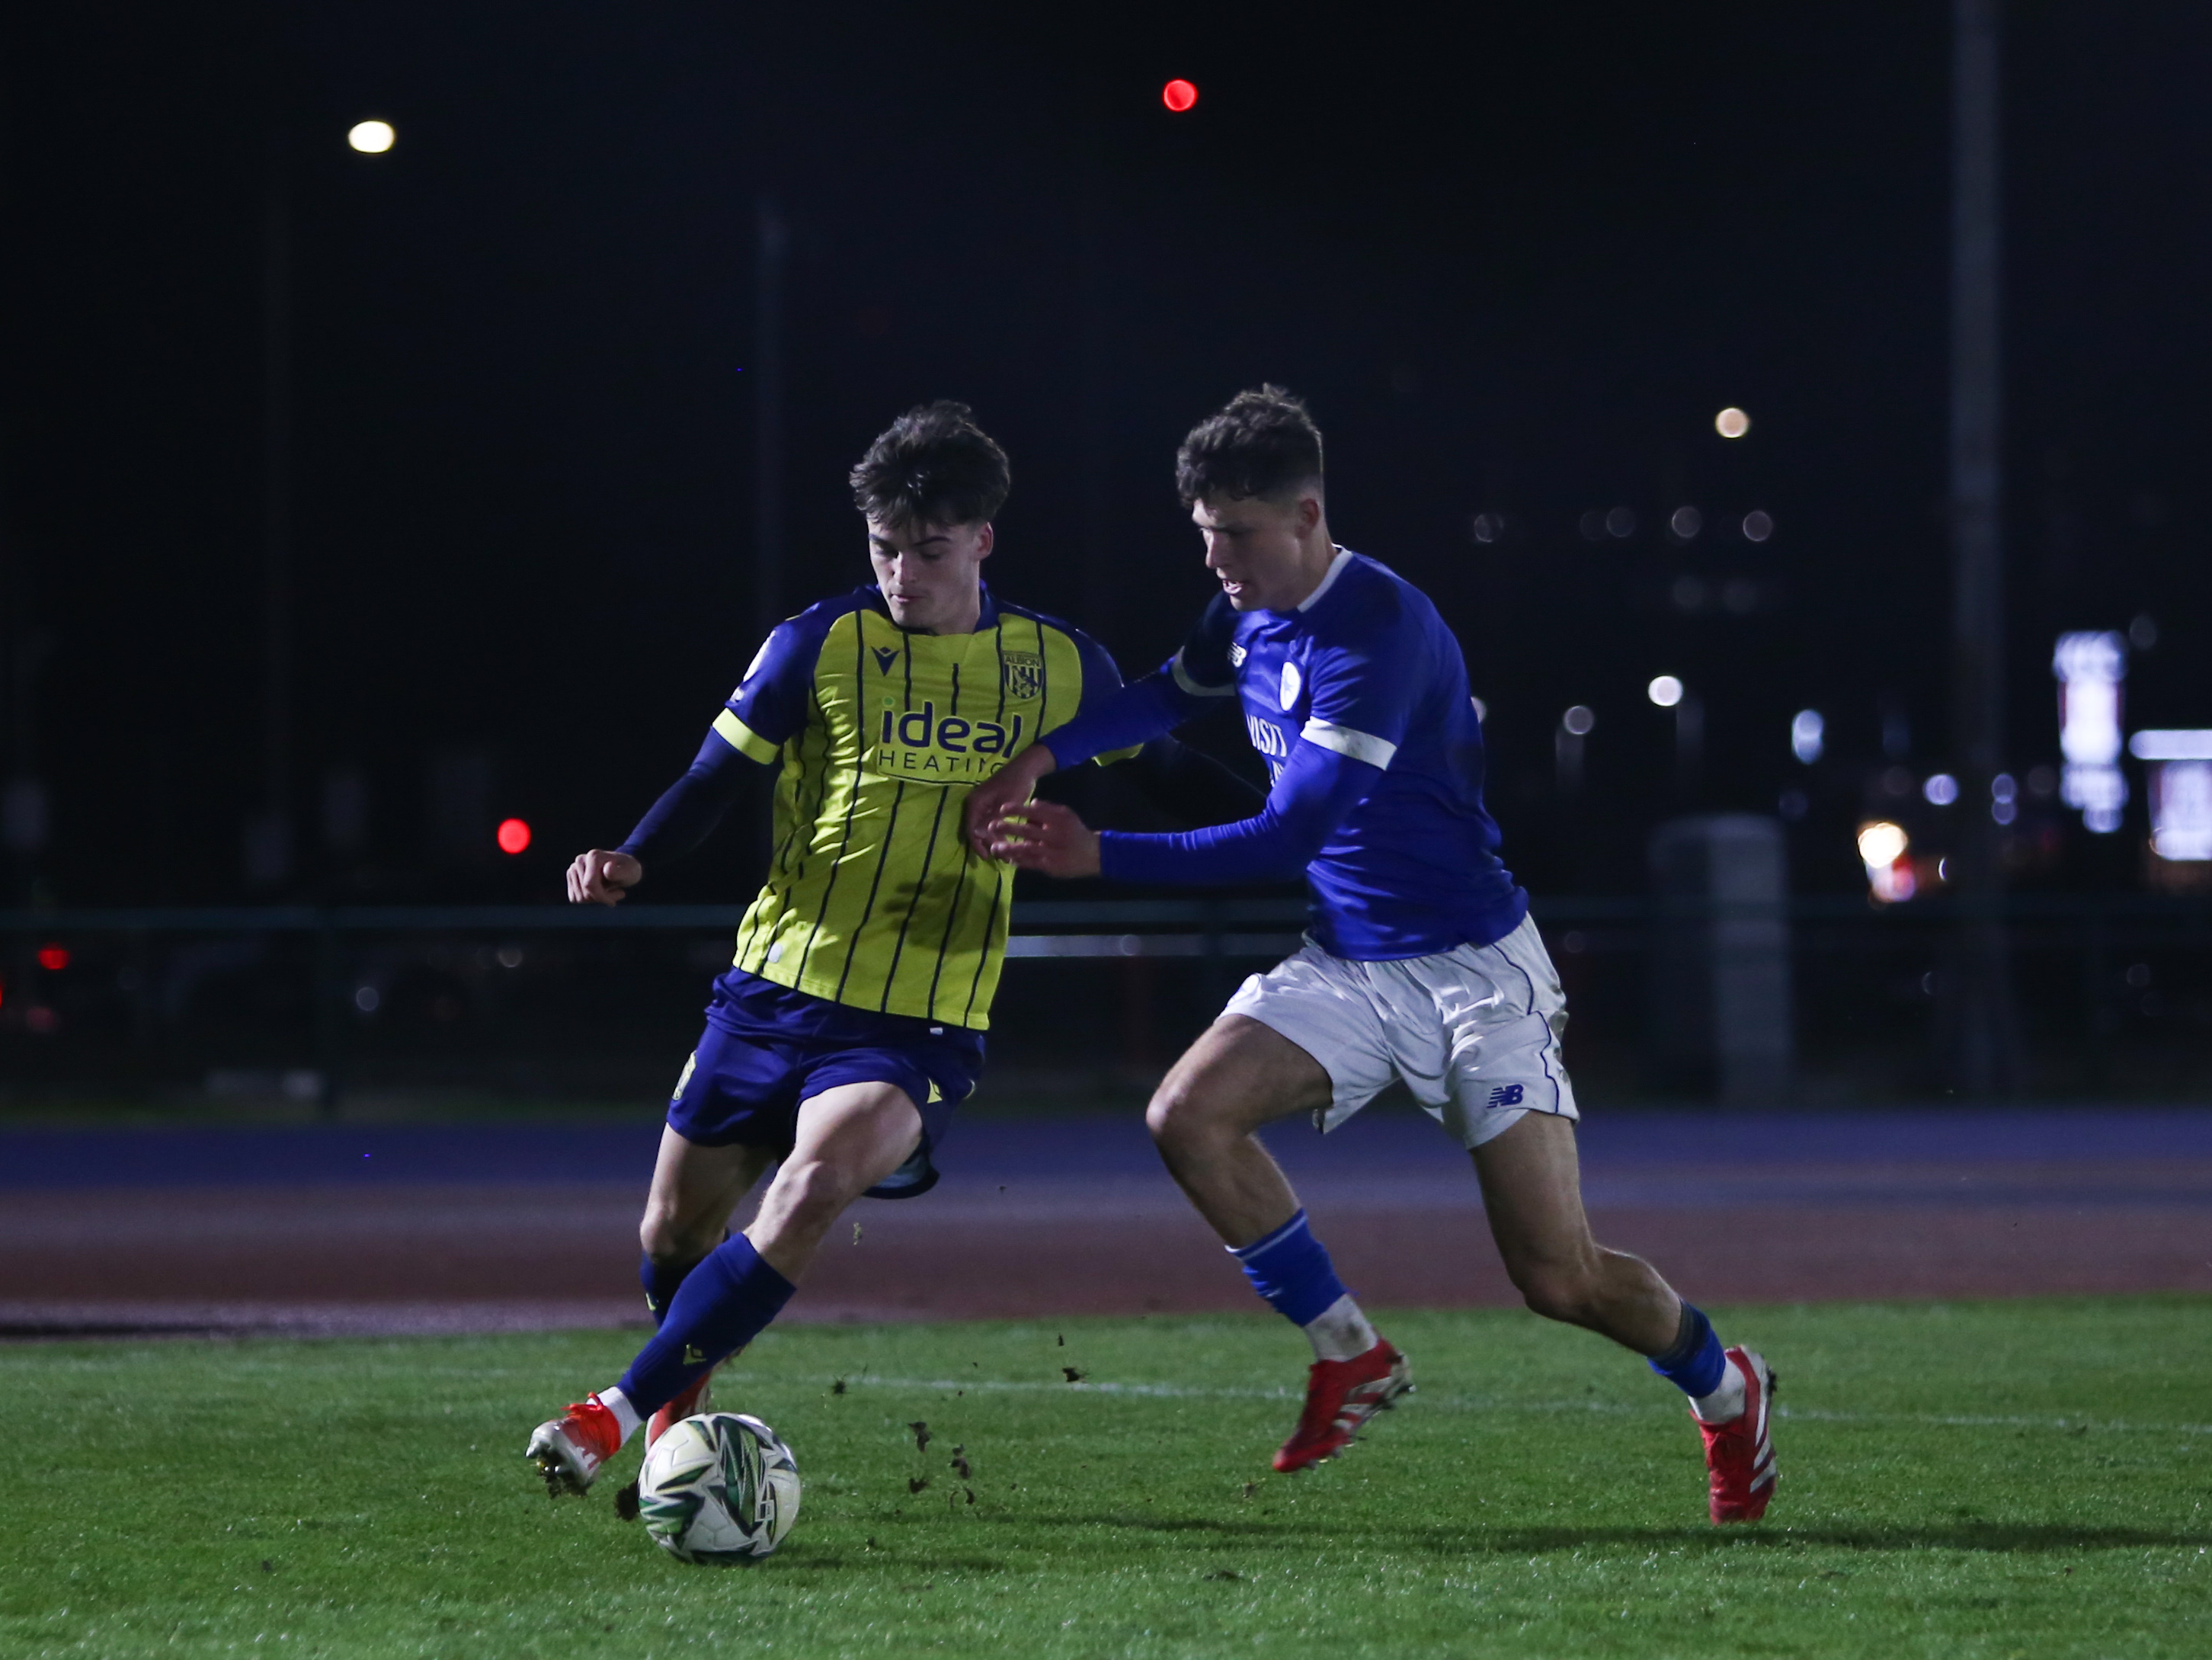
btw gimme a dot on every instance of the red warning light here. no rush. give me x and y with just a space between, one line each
1179 96
53 958
514 835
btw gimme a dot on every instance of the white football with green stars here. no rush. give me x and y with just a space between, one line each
719 1488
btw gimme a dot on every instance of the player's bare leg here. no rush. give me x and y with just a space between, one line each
1532 1191
1531 1180
849 1139
846 1139
1239 1075
687 1213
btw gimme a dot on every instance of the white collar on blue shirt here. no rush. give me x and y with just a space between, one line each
1335 569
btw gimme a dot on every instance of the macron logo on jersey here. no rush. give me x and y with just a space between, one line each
885 656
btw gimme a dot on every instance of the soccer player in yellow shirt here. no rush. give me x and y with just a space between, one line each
851 1023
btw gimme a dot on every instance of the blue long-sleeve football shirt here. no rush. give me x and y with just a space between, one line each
1358 702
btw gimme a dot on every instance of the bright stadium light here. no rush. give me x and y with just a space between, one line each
1666 691
1731 423
1881 842
1179 96
371 138
1890 875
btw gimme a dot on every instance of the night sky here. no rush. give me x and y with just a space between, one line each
1516 257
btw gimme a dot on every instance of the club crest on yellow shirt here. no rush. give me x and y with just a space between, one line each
1021 674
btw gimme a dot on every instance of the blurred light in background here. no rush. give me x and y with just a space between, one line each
1940 790
1883 850
1731 423
2090 666
1578 721
1758 526
2183 744
1666 691
1179 96
514 835
53 958
2181 810
1686 522
1620 524
371 138
1807 733
2004 798
1488 526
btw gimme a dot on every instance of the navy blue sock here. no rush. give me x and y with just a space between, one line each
1695 1364
724 1304
661 1283
1291 1270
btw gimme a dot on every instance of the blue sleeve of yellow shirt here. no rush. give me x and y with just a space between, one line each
768 708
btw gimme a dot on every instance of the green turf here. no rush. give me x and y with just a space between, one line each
1983 1479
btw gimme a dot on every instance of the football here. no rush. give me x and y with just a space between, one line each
719 1488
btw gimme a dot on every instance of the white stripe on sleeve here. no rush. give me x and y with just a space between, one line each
1194 687
1346 741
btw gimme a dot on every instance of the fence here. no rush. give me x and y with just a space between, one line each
2114 994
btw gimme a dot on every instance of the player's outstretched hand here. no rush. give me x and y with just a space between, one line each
1006 790
601 878
1047 836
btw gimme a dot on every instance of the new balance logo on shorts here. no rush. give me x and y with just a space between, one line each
1505 1095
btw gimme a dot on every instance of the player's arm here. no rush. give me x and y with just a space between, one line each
1125 718
768 707
1189 785
1317 789
1361 701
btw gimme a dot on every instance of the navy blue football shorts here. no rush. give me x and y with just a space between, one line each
768 1048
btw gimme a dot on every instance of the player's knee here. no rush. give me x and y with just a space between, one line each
664 1238
1565 1291
812 1194
1178 1117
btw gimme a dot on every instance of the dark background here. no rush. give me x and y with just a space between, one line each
1516 257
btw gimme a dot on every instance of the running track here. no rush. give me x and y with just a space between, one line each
415 1228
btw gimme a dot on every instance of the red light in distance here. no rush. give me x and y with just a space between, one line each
514 835
53 958
1179 96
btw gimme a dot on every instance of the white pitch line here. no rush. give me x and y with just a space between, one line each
1467 1403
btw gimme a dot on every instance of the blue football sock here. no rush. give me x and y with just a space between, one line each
724 1304
1291 1270
661 1282
1695 1364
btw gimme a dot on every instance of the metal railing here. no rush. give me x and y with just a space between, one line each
2115 991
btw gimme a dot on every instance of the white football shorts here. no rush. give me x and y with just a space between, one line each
1474 1031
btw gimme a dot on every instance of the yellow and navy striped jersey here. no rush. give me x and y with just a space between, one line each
874 897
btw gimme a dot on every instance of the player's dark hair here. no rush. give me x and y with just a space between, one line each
1259 443
933 465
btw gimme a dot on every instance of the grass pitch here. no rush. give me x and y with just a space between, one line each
1983 1479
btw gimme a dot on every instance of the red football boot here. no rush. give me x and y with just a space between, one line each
569 1450
698 1398
1738 1455
1341 1397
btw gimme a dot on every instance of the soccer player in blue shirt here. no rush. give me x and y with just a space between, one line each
851 1023
1420 960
